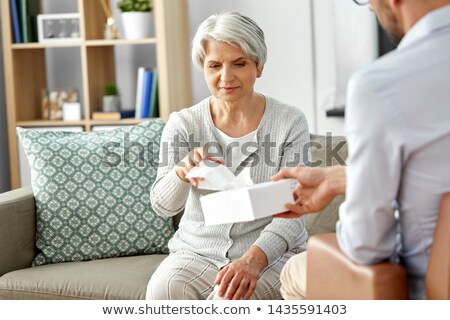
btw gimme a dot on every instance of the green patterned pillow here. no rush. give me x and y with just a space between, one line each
92 192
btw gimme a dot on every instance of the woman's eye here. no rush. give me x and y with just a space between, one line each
240 64
214 66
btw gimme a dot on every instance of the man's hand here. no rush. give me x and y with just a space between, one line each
317 187
238 279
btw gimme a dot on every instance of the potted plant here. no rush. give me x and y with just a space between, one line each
111 98
136 18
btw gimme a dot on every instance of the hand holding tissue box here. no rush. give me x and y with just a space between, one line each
240 199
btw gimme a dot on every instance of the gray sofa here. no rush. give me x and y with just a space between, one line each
115 278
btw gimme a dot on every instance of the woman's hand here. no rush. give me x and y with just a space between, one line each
238 279
190 161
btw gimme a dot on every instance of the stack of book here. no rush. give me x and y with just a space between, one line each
101 115
24 20
147 93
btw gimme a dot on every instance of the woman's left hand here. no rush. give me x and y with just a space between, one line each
238 279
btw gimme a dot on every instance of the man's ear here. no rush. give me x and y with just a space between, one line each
394 3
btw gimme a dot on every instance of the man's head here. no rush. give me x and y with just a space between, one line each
398 16
389 18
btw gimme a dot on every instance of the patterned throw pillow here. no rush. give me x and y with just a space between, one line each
92 192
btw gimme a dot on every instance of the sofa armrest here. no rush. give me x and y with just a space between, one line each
331 275
17 229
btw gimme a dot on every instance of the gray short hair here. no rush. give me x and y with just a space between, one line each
233 28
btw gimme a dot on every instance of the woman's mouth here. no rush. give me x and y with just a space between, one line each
228 89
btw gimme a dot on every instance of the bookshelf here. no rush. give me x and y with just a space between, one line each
25 70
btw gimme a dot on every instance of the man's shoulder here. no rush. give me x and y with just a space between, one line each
382 70
408 62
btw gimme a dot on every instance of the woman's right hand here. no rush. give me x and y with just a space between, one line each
190 161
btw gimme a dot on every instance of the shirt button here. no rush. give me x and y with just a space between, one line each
230 242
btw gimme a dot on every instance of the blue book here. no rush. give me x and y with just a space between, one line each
146 93
126 114
15 21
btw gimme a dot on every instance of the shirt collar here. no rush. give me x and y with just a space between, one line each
427 25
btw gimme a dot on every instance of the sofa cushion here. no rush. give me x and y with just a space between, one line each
92 193
326 151
105 279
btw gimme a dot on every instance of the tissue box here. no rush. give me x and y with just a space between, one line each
249 203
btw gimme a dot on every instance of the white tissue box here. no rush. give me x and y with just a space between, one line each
248 203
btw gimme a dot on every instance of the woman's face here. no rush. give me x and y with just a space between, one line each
230 74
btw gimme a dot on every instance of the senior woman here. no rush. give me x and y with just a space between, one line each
247 129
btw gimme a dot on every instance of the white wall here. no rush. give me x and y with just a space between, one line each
345 39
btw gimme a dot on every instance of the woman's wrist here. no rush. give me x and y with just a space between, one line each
180 173
256 257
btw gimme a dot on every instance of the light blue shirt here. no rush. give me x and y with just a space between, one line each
398 130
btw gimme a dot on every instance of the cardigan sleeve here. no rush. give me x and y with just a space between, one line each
169 193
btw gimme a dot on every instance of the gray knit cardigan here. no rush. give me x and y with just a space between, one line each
282 136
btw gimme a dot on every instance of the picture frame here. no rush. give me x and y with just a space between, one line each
58 27
52 103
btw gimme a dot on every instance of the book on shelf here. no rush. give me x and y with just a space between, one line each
139 87
147 102
100 115
127 114
15 20
154 101
29 9
106 116
146 93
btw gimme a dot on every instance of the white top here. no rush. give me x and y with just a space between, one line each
238 149
398 130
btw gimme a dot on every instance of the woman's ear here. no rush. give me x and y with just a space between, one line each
259 72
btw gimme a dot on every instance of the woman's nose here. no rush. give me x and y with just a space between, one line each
227 74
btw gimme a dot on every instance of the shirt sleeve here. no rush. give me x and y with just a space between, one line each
169 193
367 226
282 235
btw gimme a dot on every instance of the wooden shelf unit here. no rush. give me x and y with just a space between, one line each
25 71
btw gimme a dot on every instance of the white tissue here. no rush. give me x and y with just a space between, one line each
219 177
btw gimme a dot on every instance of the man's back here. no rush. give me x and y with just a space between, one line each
398 128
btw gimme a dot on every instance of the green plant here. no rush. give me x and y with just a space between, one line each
135 5
111 89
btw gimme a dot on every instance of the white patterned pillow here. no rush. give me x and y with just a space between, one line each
92 192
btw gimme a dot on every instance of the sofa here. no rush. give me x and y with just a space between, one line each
112 278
